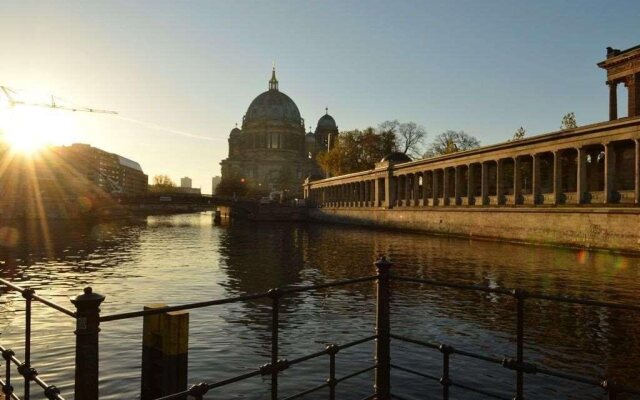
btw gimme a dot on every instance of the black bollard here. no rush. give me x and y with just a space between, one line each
87 352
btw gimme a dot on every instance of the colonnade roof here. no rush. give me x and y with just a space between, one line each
515 144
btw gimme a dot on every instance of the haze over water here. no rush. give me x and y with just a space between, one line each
184 258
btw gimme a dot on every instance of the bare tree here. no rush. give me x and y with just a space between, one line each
451 142
519 134
408 136
163 181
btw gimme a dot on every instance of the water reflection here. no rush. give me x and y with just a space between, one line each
178 259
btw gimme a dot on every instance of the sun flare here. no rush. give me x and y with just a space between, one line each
29 129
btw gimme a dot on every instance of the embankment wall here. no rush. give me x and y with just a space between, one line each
615 229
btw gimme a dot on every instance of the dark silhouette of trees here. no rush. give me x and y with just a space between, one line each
451 142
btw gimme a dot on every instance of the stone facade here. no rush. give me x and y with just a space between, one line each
271 150
578 186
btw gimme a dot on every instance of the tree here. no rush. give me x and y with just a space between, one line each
569 121
163 181
451 142
407 137
519 134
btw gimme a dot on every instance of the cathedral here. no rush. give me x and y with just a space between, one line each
271 152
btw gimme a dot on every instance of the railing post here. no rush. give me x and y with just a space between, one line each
445 381
7 389
383 360
520 296
87 354
274 294
28 296
332 350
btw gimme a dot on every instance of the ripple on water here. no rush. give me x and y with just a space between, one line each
181 259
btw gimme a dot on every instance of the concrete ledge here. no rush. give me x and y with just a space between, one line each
610 228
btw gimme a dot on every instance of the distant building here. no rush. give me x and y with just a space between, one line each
186 182
215 181
111 172
271 151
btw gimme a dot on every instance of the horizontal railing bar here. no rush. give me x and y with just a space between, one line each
452 285
505 291
357 342
414 372
308 357
587 381
209 303
557 374
190 306
453 383
54 305
39 381
13 395
38 298
362 371
480 391
478 356
395 396
297 289
415 341
324 352
234 379
306 392
587 302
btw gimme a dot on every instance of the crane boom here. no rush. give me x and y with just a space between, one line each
55 103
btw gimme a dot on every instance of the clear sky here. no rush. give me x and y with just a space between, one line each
181 74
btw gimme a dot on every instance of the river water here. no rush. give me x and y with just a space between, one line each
184 258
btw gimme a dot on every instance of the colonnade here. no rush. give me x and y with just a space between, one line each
589 173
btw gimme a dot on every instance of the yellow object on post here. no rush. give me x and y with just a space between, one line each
165 343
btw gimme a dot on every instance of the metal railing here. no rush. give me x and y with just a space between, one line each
88 319
276 364
518 363
24 368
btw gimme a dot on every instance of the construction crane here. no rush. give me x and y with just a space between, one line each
56 103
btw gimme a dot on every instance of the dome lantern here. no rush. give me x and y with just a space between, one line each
273 83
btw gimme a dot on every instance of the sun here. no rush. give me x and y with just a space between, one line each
28 129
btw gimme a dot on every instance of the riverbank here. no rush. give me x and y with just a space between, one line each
602 228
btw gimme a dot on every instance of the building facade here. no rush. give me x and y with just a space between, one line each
271 150
110 172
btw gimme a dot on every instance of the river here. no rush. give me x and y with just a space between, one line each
185 258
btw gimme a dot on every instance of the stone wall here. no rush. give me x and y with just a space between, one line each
589 227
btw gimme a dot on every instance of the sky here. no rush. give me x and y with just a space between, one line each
180 74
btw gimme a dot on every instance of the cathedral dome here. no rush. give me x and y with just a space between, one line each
235 131
326 122
273 105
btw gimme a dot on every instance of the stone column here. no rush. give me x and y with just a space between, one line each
499 181
445 187
376 192
637 176
633 85
470 180
517 179
425 197
407 189
609 171
582 175
613 100
485 183
557 177
535 179
457 184
389 190
434 188
416 189
367 193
